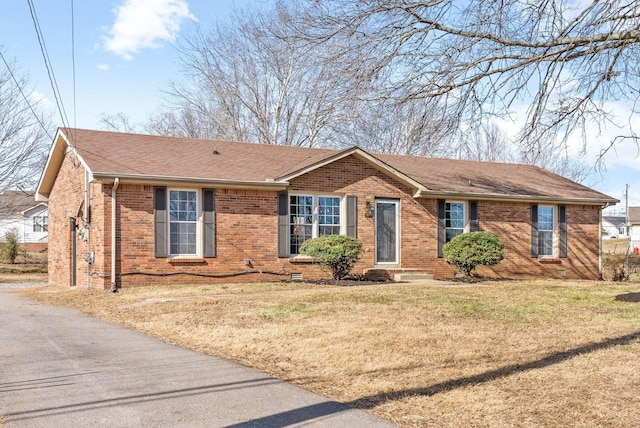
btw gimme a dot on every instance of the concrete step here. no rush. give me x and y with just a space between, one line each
412 276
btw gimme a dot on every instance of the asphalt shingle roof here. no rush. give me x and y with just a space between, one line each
13 202
113 154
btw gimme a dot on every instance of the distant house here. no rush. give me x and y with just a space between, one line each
614 226
19 211
128 210
634 227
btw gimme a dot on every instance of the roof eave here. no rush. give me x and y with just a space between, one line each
528 198
49 172
41 204
182 181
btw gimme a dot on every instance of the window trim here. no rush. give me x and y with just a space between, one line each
315 224
560 234
198 222
465 207
42 225
470 224
554 232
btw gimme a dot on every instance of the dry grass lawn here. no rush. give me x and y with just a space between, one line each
530 354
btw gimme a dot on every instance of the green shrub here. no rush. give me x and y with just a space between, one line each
337 252
9 248
469 250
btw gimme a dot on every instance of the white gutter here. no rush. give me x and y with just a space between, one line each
512 198
205 182
116 182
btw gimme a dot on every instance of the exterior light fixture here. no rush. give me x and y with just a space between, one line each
369 212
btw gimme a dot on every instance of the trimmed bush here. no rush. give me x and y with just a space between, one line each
336 252
469 250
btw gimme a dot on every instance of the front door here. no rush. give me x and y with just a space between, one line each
386 231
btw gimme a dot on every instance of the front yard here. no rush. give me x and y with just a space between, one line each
510 353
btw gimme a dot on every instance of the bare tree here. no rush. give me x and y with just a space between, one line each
251 81
255 80
120 122
486 143
484 58
491 143
25 131
411 127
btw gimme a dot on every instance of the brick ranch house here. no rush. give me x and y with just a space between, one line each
128 210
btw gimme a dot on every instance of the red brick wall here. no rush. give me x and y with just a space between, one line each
64 201
511 222
246 228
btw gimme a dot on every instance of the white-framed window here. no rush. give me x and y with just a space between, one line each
329 215
546 228
549 233
455 219
40 223
184 230
312 215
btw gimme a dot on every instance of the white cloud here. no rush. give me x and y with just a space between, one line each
103 67
142 24
39 98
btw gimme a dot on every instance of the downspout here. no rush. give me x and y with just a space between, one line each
86 197
72 227
87 226
600 244
114 286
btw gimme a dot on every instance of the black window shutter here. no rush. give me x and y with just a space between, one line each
352 218
442 231
562 217
160 221
283 224
209 232
473 216
534 230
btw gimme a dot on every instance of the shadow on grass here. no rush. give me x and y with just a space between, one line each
628 297
373 401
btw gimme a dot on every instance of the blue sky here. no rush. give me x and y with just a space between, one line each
124 57
123 49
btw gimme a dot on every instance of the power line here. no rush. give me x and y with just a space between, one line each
26 100
47 63
73 63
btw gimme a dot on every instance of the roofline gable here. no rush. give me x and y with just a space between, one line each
364 156
58 151
38 205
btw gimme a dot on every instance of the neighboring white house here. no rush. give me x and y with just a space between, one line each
19 211
614 226
634 227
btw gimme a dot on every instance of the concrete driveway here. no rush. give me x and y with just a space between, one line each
59 367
